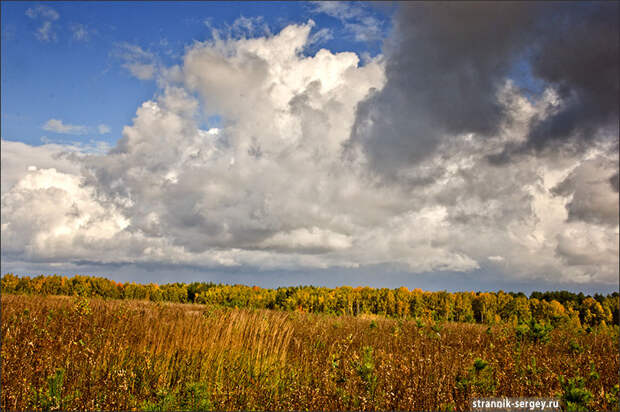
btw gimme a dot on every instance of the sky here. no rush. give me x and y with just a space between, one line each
446 146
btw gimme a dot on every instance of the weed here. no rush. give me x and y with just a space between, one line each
448 407
81 305
51 399
128 355
611 397
165 401
480 365
437 327
593 375
574 347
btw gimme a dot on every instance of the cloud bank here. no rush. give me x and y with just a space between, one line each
323 162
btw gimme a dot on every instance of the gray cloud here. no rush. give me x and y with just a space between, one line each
591 198
615 184
444 67
447 62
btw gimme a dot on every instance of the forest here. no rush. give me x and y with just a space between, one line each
553 308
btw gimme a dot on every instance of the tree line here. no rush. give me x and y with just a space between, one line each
479 307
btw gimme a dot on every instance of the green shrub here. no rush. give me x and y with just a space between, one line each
540 332
191 397
575 396
165 401
195 397
437 328
534 331
479 379
522 330
575 347
480 364
51 399
366 368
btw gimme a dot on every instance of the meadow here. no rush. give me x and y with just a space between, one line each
90 353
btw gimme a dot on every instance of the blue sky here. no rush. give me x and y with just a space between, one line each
324 143
75 74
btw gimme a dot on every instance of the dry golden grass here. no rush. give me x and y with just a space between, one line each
141 355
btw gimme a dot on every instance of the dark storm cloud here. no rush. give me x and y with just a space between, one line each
446 62
579 56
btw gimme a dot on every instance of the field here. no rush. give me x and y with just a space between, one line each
76 353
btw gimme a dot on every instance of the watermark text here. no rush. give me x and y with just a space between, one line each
515 404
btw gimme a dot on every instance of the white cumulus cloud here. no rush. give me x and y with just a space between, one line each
279 184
